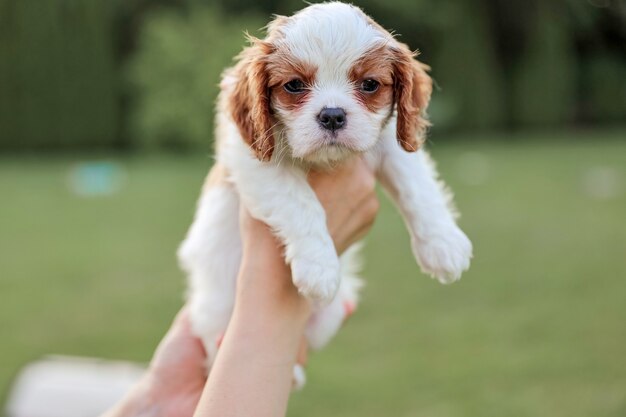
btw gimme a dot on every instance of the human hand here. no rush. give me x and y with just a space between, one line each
348 196
174 380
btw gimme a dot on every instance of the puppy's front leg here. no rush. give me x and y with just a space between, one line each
439 245
281 197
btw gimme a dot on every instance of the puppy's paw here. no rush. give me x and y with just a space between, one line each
445 254
316 279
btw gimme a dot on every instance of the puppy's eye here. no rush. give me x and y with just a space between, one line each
369 86
295 86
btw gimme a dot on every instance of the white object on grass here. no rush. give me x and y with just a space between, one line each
59 386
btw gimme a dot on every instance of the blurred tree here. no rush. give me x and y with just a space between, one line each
60 71
175 74
600 39
468 73
128 20
544 79
57 76
605 92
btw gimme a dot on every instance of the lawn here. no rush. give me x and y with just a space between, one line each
536 328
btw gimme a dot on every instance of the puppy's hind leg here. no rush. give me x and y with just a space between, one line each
211 254
326 321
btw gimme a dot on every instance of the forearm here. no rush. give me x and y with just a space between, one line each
252 374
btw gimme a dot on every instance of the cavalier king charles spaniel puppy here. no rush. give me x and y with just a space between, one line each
325 84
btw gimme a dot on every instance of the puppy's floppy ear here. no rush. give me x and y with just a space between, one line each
249 102
412 89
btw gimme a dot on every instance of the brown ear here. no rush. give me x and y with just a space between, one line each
412 89
250 102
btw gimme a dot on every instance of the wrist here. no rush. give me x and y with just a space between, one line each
265 287
271 305
272 338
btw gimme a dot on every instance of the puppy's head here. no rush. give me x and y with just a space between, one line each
324 83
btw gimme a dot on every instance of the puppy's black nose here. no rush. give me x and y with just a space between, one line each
332 119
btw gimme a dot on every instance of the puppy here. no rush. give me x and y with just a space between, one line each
325 84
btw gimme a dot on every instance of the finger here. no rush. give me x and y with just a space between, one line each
180 328
179 343
362 212
357 225
303 353
355 237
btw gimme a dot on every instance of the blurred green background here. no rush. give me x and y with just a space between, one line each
106 112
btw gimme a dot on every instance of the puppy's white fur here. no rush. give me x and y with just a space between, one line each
330 38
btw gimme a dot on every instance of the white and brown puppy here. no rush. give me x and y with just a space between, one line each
325 84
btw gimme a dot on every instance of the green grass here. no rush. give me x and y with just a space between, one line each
536 328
